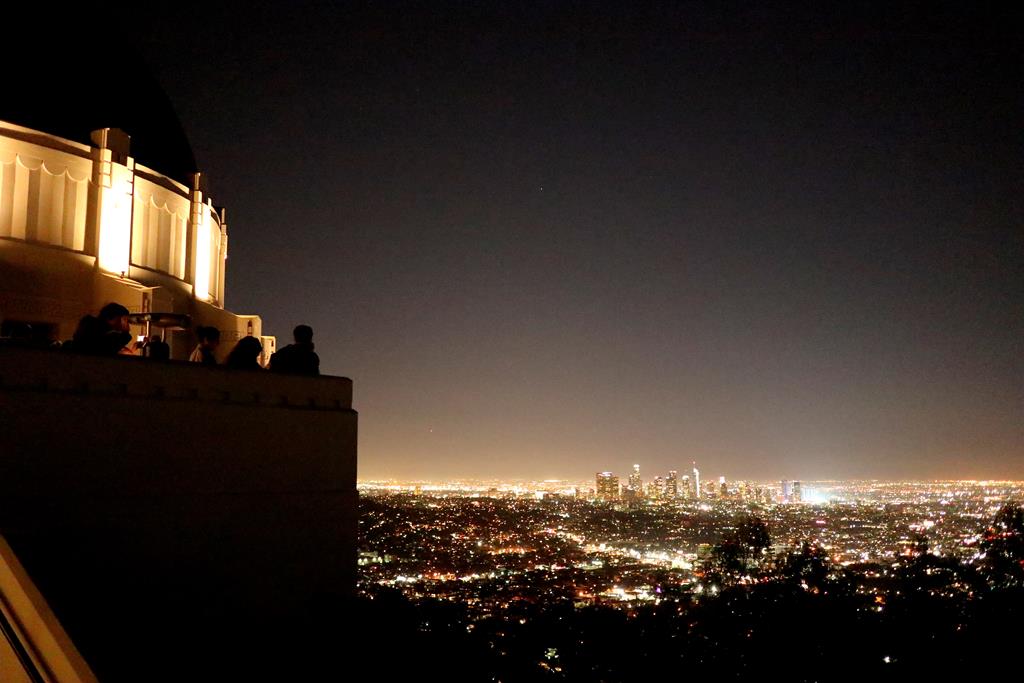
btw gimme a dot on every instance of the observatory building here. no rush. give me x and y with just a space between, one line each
158 520
82 225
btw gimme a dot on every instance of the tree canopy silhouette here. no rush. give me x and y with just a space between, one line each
1001 548
740 553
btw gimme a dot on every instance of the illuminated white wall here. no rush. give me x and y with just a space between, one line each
202 256
215 256
115 212
94 200
44 194
222 263
160 228
208 255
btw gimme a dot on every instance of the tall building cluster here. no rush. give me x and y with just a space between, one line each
689 487
791 492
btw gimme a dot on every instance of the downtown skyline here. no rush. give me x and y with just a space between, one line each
547 240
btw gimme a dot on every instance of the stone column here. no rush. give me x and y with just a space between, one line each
222 262
114 179
198 231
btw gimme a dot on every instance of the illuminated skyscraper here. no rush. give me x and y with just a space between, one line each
607 486
787 491
723 491
798 495
636 483
687 488
658 489
672 485
696 481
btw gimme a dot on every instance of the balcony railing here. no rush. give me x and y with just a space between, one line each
64 372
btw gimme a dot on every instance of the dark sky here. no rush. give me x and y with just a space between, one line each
556 238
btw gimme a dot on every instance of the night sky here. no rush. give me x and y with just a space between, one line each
556 238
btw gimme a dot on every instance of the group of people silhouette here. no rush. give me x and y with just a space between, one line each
108 334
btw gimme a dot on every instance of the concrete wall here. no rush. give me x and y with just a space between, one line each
192 490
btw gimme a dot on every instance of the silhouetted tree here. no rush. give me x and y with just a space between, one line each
918 546
810 565
740 553
1002 548
752 535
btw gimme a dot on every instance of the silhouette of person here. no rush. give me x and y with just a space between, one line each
209 340
107 334
157 349
245 355
298 358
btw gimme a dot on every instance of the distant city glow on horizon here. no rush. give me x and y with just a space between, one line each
815 496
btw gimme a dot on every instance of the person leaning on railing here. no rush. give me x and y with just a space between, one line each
156 349
245 355
298 358
209 340
107 334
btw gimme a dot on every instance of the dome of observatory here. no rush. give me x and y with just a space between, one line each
76 74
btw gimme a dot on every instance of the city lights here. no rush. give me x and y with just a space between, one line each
547 540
